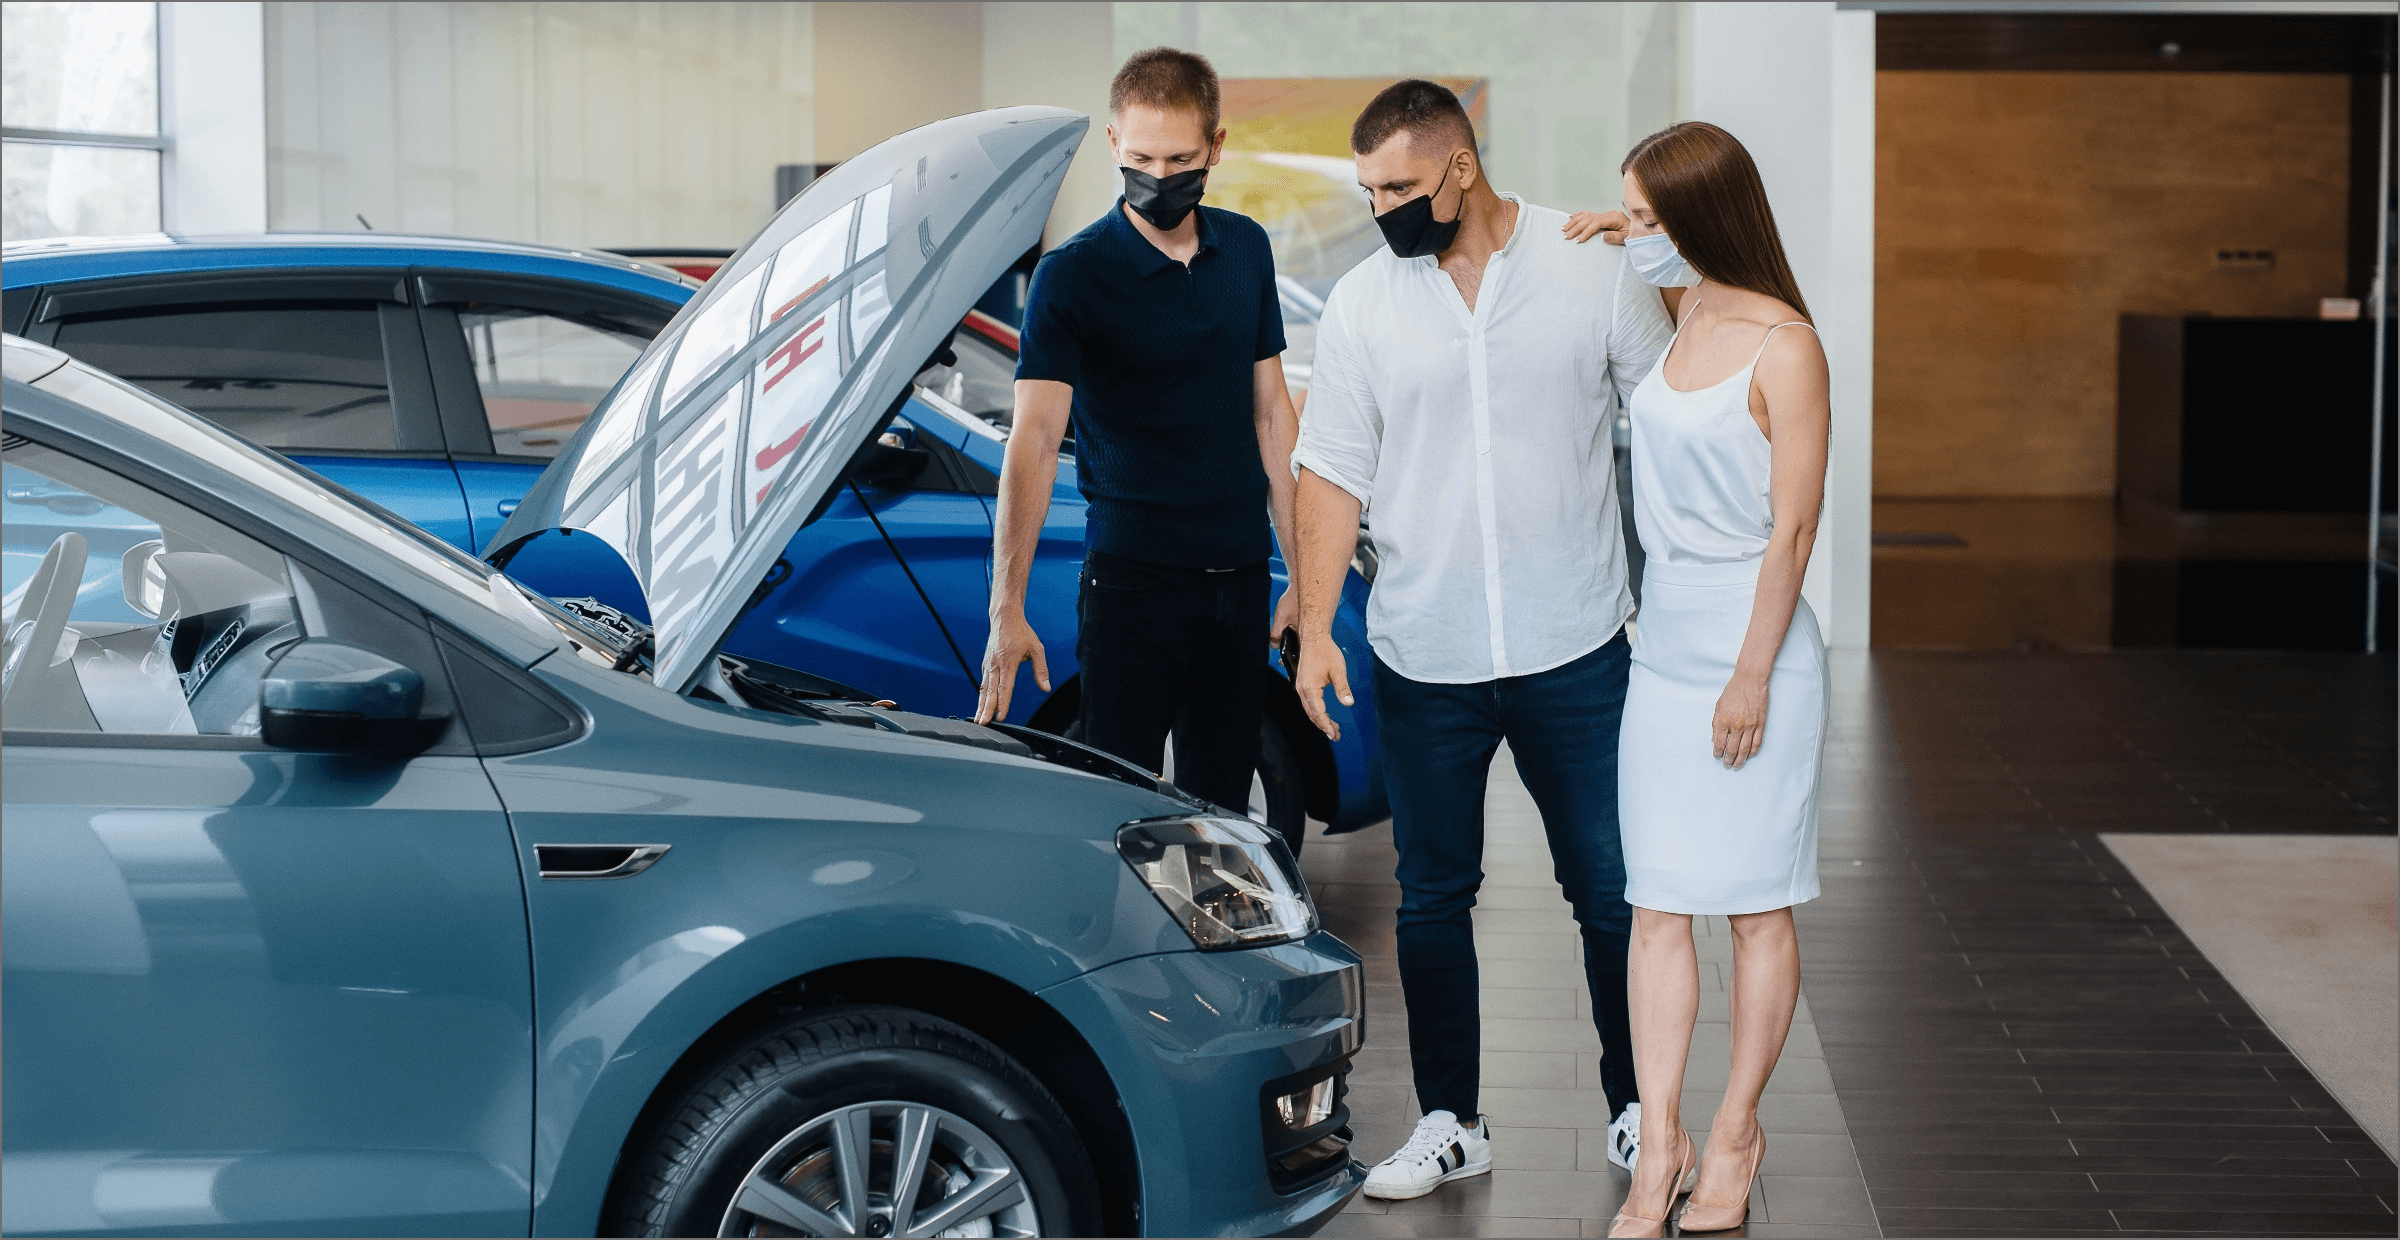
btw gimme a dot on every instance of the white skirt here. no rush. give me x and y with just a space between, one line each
1700 838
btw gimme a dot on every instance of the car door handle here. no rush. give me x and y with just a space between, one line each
508 507
596 860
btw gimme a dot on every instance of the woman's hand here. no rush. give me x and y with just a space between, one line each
1609 226
1741 722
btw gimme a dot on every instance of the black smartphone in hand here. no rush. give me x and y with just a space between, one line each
1289 646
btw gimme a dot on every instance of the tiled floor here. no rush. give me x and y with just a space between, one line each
2023 1041
2001 1034
1551 1175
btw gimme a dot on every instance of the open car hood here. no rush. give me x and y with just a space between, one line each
737 423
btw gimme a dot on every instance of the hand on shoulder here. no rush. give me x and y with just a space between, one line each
1582 226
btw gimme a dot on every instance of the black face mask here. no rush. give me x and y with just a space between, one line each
1411 230
1164 202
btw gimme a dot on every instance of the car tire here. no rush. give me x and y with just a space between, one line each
1285 804
756 1140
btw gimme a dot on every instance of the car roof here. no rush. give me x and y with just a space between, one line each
60 260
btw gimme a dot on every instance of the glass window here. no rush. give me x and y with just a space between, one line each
286 375
68 70
126 611
984 382
82 68
55 190
542 374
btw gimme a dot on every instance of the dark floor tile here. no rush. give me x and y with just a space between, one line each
1884 1180
2215 1087
1962 1148
1902 1162
2017 1233
1919 1221
2195 1222
2108 1059
2206 1143
2199 1117
2268 1180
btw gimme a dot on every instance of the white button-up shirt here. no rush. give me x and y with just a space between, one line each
1479 443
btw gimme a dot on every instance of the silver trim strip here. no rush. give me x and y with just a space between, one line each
639 857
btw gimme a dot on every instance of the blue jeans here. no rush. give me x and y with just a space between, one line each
1438 741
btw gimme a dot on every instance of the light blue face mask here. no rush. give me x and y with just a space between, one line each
1656 260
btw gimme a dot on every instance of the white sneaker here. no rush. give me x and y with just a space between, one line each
1438 1152
1625 1137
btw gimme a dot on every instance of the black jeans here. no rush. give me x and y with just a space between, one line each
1175 650
1438 741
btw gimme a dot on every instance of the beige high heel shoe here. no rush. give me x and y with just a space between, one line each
1699 1215
1630 1224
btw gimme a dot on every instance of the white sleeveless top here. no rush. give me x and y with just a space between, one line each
1700 466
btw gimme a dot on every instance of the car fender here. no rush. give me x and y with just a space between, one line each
792 847
611 1048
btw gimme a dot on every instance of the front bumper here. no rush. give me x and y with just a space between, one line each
1190 1040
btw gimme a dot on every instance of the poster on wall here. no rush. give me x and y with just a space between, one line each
1288 165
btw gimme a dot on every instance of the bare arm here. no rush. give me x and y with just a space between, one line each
1278 428
1327 517
1794 388
1027 473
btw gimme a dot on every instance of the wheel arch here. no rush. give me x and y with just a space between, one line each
1019 1022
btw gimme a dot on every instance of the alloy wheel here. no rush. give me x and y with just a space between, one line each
884 1169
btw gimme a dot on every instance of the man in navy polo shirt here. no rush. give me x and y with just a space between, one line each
1157 330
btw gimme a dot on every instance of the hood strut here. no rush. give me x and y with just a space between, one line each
922 597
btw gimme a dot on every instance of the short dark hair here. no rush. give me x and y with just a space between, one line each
1170 79
1425 111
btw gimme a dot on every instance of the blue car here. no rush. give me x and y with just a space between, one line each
439 377
351 888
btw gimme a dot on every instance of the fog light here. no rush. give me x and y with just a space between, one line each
1307 1108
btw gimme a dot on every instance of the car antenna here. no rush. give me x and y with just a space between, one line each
362 221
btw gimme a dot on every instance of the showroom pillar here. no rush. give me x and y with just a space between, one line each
213 114
1796 83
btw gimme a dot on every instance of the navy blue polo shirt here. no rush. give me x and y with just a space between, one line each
1160 357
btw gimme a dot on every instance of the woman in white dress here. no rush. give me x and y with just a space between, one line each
1718 788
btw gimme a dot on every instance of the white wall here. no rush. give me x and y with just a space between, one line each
213 111
1795 81
1061 54
578 124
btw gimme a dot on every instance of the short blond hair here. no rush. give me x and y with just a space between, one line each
1170 79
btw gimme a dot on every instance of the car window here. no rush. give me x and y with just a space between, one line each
984 382
459 576
288 375
127 611
541 374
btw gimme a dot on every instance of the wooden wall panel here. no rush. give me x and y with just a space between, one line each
2018 214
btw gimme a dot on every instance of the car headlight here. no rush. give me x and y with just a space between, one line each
1229 882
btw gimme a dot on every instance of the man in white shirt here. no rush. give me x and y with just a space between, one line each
1465 383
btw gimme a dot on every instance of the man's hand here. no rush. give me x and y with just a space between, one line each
1609 226
1026 475
1287 615
1012 643
1321 664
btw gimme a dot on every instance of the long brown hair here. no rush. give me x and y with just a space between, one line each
1705 191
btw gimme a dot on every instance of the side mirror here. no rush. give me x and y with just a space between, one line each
326 696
